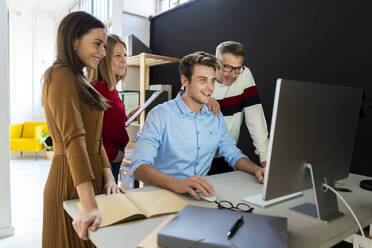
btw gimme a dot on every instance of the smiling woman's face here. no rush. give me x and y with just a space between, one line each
91 47
119 59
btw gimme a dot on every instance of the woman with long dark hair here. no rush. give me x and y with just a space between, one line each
74 113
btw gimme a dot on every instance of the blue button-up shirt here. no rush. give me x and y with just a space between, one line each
181 143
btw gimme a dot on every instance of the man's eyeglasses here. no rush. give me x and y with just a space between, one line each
239 207
230 68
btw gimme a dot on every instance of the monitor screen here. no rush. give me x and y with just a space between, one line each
311 138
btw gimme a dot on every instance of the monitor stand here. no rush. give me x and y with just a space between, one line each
325 207
257 200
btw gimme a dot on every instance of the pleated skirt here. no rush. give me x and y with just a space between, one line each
57 224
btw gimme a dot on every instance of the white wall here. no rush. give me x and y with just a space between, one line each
137 25
45 53
141 7
32 50
135 18
21 70
116 24
6 228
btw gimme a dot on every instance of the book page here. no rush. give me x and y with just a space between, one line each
115 208
156 202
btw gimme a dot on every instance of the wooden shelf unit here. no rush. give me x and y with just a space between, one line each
144 61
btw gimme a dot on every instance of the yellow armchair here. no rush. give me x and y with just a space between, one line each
26 137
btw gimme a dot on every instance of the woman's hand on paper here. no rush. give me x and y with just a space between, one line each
87 218
111 188
214 106
132 112
189 185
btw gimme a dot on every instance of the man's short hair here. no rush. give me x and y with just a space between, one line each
233 47
187 63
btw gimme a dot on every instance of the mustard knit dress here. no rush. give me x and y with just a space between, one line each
79 156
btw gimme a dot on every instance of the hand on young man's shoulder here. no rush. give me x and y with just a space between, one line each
214 106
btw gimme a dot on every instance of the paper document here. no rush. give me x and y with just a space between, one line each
143 107
120 208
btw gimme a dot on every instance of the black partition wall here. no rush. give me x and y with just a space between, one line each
325 41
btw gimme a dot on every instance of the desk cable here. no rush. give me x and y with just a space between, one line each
351 211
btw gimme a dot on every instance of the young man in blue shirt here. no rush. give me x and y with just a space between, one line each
175 147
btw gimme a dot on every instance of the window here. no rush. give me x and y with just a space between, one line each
75 7
164 5
102 9
86 5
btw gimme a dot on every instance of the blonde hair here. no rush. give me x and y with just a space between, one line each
104 70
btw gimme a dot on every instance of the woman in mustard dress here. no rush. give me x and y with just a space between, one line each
74 112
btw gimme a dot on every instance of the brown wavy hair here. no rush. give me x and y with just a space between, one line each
187 63
104 70
74 26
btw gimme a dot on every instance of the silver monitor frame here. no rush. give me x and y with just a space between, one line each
312 135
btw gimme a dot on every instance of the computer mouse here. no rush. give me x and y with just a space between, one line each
210 198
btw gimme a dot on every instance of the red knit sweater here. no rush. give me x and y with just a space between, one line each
114 118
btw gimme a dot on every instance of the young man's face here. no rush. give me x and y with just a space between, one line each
225 74
199 90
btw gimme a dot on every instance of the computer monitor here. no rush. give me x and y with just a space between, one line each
312 136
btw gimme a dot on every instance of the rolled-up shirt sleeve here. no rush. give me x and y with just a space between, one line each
148 141
226 145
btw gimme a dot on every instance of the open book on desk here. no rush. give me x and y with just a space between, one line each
118 208
143 107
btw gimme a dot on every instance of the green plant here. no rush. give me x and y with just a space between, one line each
47 141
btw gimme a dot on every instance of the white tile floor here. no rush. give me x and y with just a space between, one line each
28 178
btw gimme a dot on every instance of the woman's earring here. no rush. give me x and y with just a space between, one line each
75 49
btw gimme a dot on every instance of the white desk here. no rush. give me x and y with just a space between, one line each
303 231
